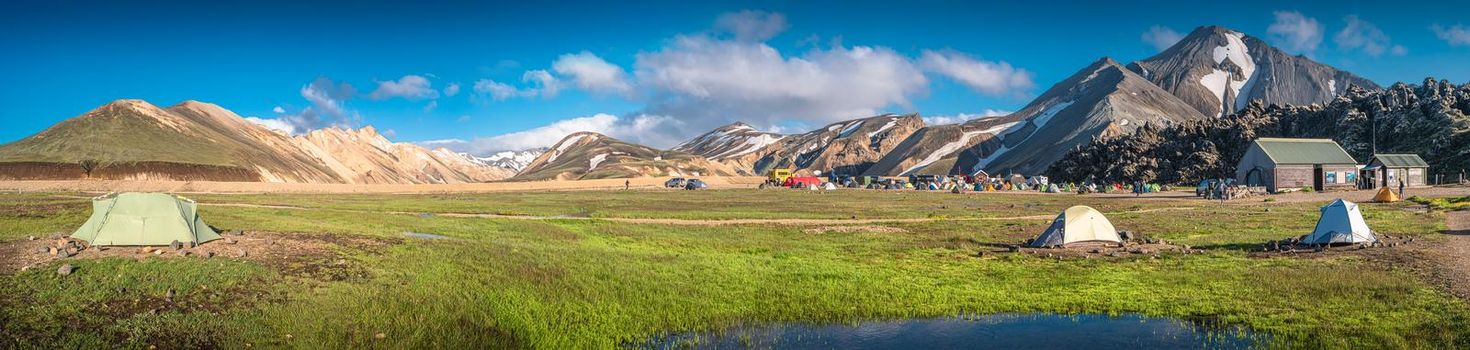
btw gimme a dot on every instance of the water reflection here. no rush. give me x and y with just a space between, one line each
1000 331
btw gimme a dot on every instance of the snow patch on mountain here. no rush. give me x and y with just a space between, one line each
597 159
851 127
947 149
885 127
1219 79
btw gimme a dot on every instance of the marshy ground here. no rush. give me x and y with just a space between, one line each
577 269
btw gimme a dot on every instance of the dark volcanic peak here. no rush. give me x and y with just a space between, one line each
1218 71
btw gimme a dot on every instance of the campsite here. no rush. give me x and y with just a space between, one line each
805 175
408 270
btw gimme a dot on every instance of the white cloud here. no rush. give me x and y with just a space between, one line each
543 82
411 87
463 119
1363 35
963 117
278 110
327 109
1161 37
498 90
451 90
709 81
592 73
1295 33
434 104
272 123
1456 35
985 77
698 81
751 26
638 129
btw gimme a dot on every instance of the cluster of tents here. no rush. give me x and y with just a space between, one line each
1340 222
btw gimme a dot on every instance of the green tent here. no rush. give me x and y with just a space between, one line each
144 219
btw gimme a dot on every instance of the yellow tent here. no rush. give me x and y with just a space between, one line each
1386 195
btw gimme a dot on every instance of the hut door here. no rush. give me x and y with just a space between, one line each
1317 178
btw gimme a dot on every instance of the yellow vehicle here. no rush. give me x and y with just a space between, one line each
777 177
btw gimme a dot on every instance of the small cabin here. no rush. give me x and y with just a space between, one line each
1386 170
1287 163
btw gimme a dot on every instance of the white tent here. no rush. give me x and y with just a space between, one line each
1341 222
1077 224
829 186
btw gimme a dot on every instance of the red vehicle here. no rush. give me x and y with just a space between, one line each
802 181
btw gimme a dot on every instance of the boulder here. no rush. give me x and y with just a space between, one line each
65 269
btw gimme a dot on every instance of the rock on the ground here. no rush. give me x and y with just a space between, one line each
65 269
176 245
42 250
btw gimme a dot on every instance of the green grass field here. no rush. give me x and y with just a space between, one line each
578 283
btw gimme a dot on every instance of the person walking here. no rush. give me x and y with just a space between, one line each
1401 188
627 184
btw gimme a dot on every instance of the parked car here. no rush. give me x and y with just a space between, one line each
674 182
695 184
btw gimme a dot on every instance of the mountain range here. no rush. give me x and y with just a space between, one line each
1210 73
196 141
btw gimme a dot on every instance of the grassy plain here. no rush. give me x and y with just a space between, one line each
576 282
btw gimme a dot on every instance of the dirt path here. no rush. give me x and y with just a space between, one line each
692 222
1454 257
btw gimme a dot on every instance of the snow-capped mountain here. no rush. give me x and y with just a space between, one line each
590 155
513 160
729 141
849 146
1219 71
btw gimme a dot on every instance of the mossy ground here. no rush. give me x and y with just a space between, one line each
578 283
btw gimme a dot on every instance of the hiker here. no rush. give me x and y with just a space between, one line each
627 184
1401 188
1137 188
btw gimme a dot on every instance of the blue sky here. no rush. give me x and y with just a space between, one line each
652 72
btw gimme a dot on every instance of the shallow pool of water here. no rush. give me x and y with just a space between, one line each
1001 331
428 236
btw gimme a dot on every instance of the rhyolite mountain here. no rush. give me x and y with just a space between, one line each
590 155
196 141
846 147
1219 71
1104 98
